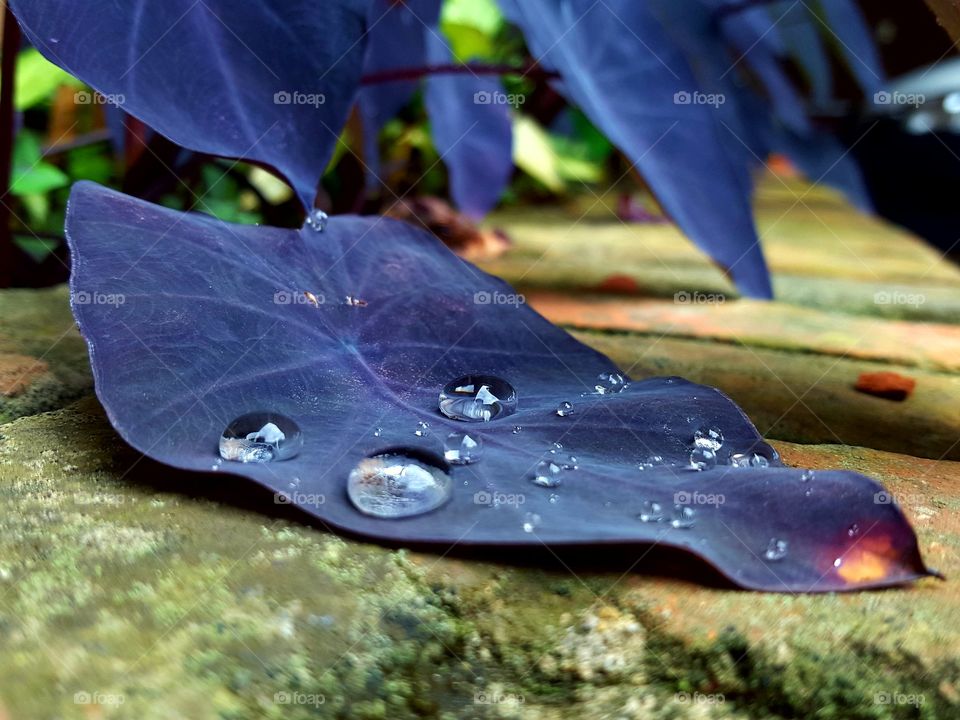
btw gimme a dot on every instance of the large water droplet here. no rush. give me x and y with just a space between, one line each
565 408
609 383
317 220
395 485
462 449
478 398
776 550
703 459
709 438
547 474
261 437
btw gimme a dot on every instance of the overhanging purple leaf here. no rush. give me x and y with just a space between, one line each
261 80
471 128
624 71
192 322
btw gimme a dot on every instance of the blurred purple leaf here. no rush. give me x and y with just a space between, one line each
260 80
633 82
471 128
192 322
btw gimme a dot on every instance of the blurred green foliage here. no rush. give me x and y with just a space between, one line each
63 137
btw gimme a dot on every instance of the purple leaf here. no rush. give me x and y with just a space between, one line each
192 323
471 128
624 71
260 80
395 41
851 34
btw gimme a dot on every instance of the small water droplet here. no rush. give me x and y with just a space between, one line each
853 530
703 459
838 562
651 512
354 301
547 474
378 432
462 449
751 460
317 220
261 437
651 462
709 438
478 398
517 429
422 429
396 484
609 383
553 498
531 521
565 408
776 550
683 517
806 476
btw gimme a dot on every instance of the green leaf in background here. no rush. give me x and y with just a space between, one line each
37 78
31 175
274 190
484 15
90 163
36 247
471 27
534 154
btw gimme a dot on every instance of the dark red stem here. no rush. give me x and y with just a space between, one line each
415 73
8 71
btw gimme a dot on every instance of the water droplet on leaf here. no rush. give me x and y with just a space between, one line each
683 516
422 429
703 459
462 449
547 474
395 485
261 437
478 398
609 383
317 220
531 521
708 438
565 408
651 512
776 550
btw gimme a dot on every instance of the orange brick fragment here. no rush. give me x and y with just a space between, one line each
886 384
